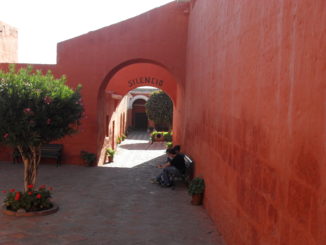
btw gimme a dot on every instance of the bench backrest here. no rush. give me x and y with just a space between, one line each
51 150
189 168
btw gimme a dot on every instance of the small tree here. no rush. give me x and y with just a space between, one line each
159 108
36 109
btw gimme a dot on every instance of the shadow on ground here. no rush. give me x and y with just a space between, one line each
108 205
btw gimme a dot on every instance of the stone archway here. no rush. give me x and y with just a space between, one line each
113 95
133 99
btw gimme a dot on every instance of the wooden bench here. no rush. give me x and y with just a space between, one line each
53 151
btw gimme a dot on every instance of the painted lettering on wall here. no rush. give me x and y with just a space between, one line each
145 81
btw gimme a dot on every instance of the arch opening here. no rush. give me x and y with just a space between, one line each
119 109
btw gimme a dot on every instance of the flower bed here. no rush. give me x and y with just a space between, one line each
161 136
29 203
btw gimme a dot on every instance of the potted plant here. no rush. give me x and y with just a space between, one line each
110 154
123 137
167 136
169 144
157 136
118 140
196 189
89 158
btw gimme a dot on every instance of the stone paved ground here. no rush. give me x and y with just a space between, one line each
113 204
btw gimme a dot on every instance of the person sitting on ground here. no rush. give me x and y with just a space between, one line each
175 166
177 150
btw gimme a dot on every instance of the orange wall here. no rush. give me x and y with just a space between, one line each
248 79
143 74
115 123
254 105
94 58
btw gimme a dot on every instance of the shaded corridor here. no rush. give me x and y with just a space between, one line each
114 204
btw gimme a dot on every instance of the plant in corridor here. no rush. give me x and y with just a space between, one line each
29 200
169 144
196 186
167 136
118 140
123 137
88 157
110 153
156 136
35 109
160 135
159 108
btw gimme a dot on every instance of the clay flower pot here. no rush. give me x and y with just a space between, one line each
196 189
197 199
110 159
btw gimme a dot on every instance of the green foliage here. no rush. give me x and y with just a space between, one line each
167 136
36 108
123 137
159 108
110 152
89 158
158 134
31 200
196 186
118 140
169 144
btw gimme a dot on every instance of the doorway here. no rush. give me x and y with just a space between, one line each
141 121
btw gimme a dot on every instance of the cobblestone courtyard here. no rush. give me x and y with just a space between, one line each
113 204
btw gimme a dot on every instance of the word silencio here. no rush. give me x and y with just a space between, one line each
146 81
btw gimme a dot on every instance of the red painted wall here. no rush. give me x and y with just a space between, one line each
94 58
254 105
143 74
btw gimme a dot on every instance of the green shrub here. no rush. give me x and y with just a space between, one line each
35 109
196 186
118 140
167 136
158 134
123 137
89 158
159 108
110 152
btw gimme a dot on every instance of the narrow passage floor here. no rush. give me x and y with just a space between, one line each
114 204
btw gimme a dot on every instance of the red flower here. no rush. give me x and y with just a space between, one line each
12 190
30 186
29 193
27 110
47 100
48 121
42 187
50 188
4 191
17 196
38 196
5 136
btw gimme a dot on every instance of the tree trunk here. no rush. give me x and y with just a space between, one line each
31 157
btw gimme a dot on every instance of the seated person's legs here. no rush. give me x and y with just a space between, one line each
167 173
